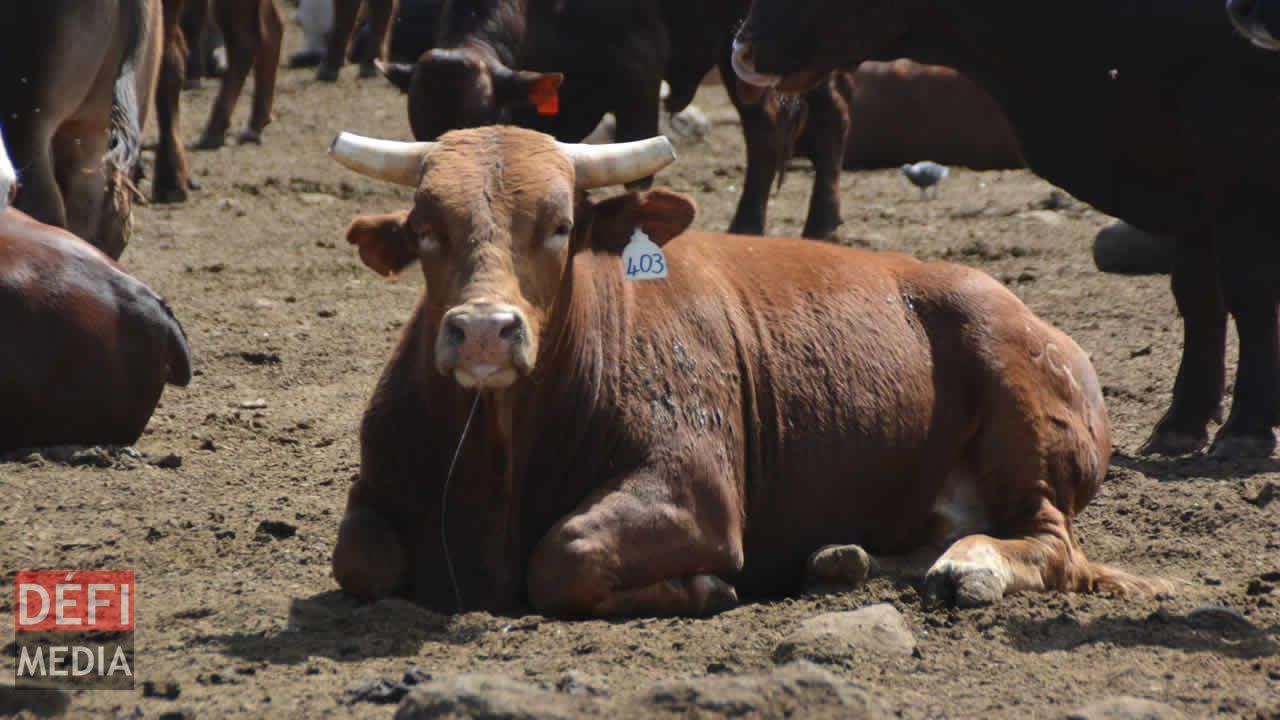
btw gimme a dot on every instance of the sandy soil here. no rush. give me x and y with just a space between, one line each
289 332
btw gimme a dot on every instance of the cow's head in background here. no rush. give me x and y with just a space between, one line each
1258 20
793 45
490 226
467 87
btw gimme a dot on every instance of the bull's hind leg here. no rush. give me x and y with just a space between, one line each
621 554
979 569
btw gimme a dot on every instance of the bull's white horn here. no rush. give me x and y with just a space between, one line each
390 160
8 178
618 163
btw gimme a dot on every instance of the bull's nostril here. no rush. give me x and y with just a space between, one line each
512 330
454 332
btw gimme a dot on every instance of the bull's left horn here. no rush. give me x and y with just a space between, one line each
618 163
390 160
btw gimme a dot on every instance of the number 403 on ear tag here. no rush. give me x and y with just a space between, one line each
642 259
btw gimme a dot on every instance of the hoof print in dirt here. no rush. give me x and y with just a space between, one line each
1125 708
489 696
274 529
40 702
795 690
834 637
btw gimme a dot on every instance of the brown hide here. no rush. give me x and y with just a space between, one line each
91 347
769 397
903 112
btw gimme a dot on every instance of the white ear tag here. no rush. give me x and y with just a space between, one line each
642 259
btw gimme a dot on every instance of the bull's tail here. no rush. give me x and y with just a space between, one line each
124 152
179 350
1104 578
792 114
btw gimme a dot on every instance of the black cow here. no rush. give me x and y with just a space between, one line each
1157 114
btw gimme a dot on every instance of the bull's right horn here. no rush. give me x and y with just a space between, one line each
8 178
618 163
390 160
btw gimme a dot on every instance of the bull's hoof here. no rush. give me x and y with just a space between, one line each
1173 442
717 594
168 195
327 74
951 585
210 141
193 184
844 564
1243 446
249 136
820 231
1125 250
306 59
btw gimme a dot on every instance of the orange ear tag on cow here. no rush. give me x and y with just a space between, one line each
544 95
642 259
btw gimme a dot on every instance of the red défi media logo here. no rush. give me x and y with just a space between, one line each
74 628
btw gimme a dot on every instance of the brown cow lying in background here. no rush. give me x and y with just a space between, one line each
642 444
88 348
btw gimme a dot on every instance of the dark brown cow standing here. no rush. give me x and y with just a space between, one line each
1157 113
253 31
648 446
88 348
76 79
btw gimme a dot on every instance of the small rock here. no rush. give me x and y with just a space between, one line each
378 692
326 313
878 628
92 457
179 714
316 198
1265 496
41 702
277 529
260 358
257 404
1257 587
1220 618
796 690
490 696
1048 217
1124 708
167 689
207 444
576 683
168 462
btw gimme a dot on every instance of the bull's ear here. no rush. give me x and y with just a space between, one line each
539 90
385 241
399 74
661 213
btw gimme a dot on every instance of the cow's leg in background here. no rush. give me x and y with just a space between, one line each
195 22
763 138
344 23
171 179
622 554
78 147
637 114
828 122
266 64
1249 268
1197 391
239 21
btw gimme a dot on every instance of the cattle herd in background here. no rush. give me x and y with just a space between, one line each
1164 120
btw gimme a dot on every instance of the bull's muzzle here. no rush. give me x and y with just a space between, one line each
484 345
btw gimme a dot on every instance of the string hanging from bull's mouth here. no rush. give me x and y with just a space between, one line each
444 504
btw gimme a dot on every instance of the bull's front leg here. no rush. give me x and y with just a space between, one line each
620 554
369 562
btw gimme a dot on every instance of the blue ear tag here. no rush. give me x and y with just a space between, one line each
642 259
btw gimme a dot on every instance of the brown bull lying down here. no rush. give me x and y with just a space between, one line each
640 445
88 349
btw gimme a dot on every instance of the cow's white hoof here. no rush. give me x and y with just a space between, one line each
961 585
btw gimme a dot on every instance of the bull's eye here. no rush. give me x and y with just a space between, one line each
560 238
426 243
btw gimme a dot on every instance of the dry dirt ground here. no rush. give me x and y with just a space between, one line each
289 332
